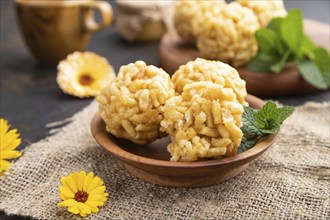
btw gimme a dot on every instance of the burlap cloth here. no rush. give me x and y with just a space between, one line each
290 181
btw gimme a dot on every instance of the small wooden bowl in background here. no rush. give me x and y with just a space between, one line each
173 52
152 164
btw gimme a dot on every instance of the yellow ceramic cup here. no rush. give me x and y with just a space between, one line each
54 28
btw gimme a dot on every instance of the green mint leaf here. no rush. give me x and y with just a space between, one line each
267 40
257 123
311 73
322 60
284 113
262 62
291 30
246 144
250 128
307 46
277 67
275 25
270 118
267 118
258 65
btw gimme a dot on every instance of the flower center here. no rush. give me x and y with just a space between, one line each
81 196
86 79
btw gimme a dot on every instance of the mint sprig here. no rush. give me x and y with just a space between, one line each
257 123
284 41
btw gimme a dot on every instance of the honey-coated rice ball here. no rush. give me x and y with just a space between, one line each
204 122
213 71
265 10
228 35
189 14
131 104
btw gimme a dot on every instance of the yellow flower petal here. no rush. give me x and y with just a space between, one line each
92 203
74 209
95 197
66 192
65 184
94 184
12 144
9 154
82 214
4 165
100 183
10 140
70 181
101 203
63 197
3 127
84 209
81 179
95 209
98 190
88 181
69 202
75 178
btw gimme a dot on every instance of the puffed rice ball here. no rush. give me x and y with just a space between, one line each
265 10
229 35
131 104
204 122
213 71
189 12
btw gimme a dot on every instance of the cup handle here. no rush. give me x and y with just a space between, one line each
106 15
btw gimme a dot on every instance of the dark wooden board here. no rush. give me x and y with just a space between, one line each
173 52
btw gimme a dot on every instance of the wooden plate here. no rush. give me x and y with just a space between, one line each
151 162
173 52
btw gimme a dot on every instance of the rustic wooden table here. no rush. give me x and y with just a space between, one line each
30 97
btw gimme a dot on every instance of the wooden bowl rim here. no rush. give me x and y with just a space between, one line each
105 140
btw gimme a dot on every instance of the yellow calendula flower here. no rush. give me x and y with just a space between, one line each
82 193
84 74
9 141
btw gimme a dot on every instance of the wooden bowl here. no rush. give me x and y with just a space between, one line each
173 52
151 162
